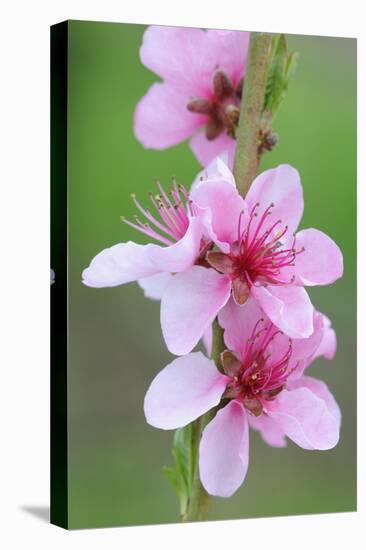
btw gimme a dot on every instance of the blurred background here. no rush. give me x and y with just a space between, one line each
116 347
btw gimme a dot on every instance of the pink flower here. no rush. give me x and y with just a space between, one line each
257 254
175 225
202 74
265 389
184 232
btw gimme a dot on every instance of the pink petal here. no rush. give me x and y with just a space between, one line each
181 255
238 323
190 304
321 263
179 55
321 390
155 285
303 349
224 451
161 117
282 187
218 195
187 388
230 49
270 431
288 307
308 415
328 345
207 340
119 264
217 170
321 343
207 150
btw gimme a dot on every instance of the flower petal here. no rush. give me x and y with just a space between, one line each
190 304
270 431
230 49
217 170
178 55
282 187
224 451
322 343
119 264
222 200
155 285
161 117
328 345
320 389
181 255
207 340
187 388
308 415
207 150
321 263
288 307
238 323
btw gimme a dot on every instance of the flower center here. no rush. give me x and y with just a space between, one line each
257 376
258 257
222 109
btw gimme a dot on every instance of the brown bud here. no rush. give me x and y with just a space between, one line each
239 88
200 105
221 84
230 363
232 113
221 262
213 129
253 405
271 394
240 291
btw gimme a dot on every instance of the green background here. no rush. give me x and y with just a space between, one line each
116 347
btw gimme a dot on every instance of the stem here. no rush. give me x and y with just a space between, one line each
247 157
199 500
245 169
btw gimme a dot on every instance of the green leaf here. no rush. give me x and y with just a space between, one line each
181 476
281 68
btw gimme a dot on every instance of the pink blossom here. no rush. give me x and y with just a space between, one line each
202 73
184 233
217 244
174 225
263 382
257 254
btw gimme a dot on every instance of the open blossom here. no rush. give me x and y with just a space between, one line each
257 253
263 387
202 73
217 244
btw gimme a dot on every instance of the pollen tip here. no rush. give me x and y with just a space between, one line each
133 195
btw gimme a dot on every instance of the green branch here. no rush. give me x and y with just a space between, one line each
247 155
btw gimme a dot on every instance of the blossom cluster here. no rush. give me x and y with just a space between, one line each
217 255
